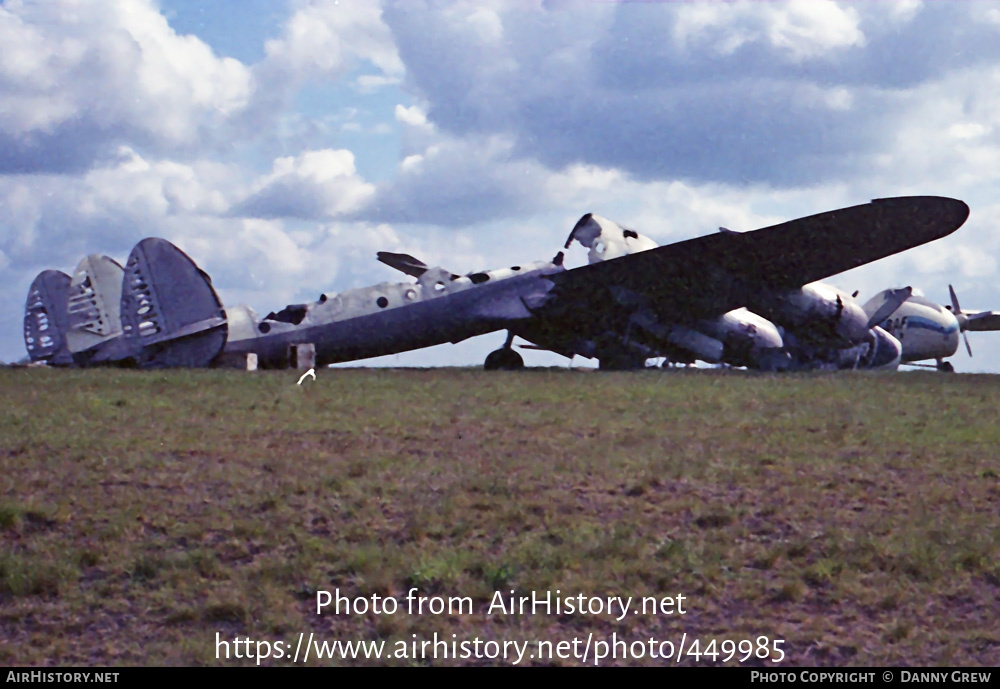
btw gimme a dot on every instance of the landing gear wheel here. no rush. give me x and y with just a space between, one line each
946 367
503 360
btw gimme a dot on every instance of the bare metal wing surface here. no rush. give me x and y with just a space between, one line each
45 319
171 315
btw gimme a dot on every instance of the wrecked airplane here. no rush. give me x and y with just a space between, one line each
696 299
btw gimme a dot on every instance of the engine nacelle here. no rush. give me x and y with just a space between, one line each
818 313
879 351
747 337
703 347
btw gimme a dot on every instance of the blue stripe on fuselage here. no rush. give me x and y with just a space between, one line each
926 324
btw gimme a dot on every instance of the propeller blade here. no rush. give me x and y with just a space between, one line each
956 309
968 347
893 301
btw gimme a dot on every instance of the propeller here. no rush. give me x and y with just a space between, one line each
979 321
894 299
963 320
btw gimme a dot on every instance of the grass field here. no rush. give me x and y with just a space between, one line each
856 517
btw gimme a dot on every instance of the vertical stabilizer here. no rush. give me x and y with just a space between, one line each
92 310
171 315
45 320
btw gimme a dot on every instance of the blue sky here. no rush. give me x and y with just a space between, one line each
282 144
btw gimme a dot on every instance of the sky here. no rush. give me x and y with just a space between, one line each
281 145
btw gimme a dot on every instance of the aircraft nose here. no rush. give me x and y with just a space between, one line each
952 339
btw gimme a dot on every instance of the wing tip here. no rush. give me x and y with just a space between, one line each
944 207
941 215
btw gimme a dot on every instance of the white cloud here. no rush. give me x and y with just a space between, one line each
802 29
314 184
457 181
810 28
327 37
413 116
485 25
78 75
904 10
370 83
58 218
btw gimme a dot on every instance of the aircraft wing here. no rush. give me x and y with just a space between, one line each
711 275
983 321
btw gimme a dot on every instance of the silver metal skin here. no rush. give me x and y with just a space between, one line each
389 318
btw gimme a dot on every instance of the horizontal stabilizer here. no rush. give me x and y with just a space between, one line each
46 320
171 315
403 263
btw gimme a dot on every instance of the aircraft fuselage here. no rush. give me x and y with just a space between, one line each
396 317
924 329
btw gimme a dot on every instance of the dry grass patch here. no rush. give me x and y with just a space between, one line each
854 516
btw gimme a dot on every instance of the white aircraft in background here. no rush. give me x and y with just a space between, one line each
930 331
